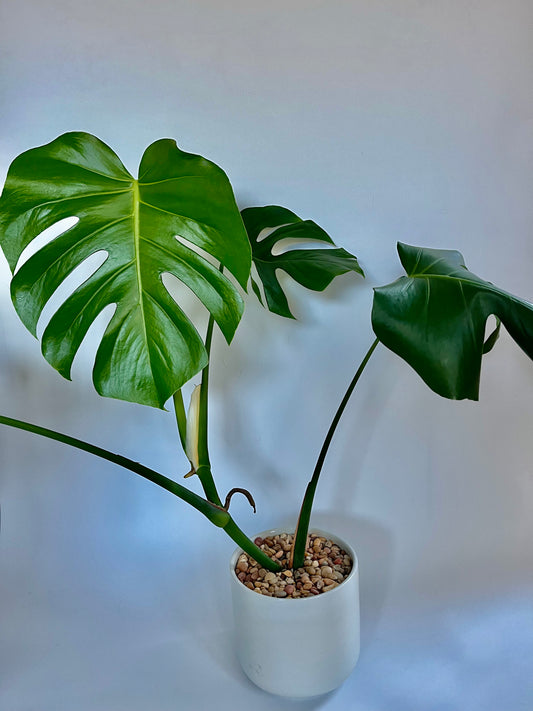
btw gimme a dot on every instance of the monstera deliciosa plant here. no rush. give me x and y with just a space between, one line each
180 217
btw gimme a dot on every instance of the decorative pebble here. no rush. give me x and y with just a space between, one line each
326 566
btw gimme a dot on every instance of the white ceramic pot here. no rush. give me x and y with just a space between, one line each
298 648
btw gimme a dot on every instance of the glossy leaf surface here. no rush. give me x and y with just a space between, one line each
150 347
312 268
435 317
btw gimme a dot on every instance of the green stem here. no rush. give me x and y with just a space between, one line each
204 465
302 526
242 540
181 417
213 513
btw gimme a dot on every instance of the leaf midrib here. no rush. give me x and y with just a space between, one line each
138 271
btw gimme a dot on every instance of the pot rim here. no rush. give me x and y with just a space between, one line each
283 529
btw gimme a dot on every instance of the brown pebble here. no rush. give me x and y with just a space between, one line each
326 566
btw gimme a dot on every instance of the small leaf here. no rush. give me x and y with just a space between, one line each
312 268
435 317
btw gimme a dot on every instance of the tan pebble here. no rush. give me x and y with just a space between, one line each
326 571
315 564
270 577
254 576
327 550
289 589
249 585
330 587
327 581
280 593
278 555
242 577
319 584
307 586
242 565
262 573
309 569
313 591
304 577
287 573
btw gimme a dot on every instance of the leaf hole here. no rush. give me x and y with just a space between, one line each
55 230
290 243
84 359
75 279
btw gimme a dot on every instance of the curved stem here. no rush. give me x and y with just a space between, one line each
213 513
302 526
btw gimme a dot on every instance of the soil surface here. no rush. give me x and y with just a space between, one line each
326 566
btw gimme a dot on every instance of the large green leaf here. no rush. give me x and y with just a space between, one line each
435 317
312 268
150 347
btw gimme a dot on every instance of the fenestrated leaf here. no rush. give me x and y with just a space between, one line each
150 347
312 268
434 318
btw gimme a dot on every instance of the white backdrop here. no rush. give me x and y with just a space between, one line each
387 120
